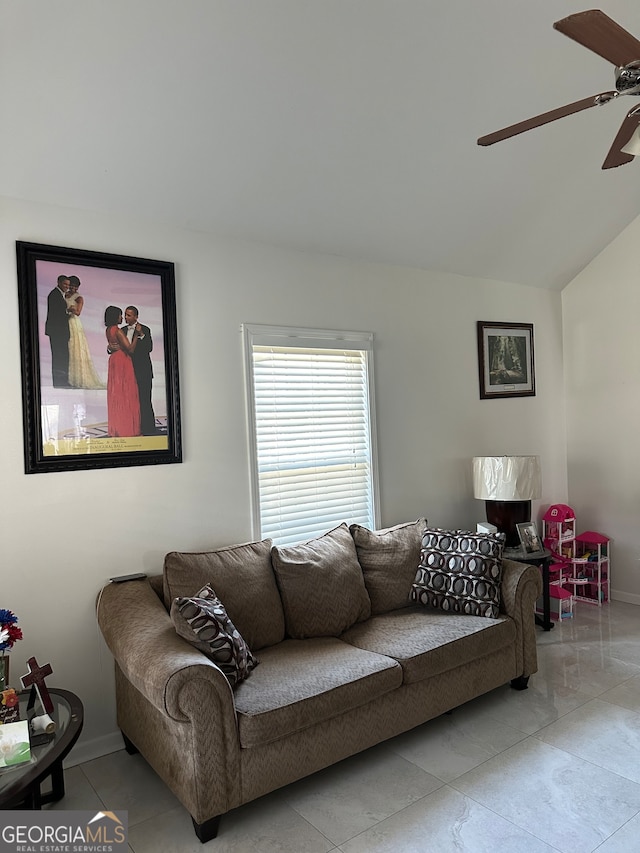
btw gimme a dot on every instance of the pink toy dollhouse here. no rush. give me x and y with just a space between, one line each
559 531
560 603
591 568
579 564
558 534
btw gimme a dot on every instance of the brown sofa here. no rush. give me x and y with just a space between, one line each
346 660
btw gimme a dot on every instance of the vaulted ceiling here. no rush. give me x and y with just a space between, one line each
340 126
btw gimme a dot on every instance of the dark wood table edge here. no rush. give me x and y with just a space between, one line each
542 559
25 792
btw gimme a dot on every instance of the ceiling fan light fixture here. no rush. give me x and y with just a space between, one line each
633 145
602 35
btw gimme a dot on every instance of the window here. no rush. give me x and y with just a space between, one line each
310 401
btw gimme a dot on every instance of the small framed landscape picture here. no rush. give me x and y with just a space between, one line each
531 542
505 360
99 357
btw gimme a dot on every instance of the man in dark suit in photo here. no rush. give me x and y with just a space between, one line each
142 367
57 329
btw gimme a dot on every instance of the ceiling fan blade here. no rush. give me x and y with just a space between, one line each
626 144
599 33
545 118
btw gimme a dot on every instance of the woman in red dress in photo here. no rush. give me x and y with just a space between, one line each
123 404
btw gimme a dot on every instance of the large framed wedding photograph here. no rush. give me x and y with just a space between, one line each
99 357
505 360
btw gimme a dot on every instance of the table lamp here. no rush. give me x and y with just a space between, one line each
507 484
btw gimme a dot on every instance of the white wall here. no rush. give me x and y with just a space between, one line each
64 534
601 309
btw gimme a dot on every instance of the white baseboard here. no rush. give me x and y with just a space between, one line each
96 748
629 597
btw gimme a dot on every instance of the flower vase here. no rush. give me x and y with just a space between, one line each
9 702
4 672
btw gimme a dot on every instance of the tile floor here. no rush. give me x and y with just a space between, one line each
552 768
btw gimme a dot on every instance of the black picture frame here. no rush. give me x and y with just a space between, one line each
66 423
505 360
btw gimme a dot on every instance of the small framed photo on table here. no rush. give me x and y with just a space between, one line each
531 542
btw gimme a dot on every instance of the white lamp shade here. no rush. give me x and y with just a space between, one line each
506 478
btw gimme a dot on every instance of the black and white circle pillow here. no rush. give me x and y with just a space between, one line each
460 572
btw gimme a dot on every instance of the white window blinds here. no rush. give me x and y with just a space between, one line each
313 437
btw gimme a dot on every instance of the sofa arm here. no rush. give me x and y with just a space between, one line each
521 586
173 703
150 654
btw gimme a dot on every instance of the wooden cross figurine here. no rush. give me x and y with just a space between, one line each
35 677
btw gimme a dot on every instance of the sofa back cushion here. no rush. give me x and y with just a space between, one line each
389 560
243 579
321 585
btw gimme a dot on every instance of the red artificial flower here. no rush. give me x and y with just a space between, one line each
15 633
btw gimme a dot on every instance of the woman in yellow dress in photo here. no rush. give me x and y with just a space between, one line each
82 373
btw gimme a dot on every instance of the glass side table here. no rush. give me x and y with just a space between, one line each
20 786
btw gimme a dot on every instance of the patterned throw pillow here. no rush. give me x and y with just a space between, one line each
460 572
203 621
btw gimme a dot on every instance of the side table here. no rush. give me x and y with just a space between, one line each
542 559
20 785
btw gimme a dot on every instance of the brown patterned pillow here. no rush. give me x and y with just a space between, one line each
460 572
203 621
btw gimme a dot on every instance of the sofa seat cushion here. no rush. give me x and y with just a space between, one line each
303 682
428 642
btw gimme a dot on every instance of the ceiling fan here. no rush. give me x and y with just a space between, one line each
599 33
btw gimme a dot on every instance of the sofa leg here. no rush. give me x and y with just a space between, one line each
207 830
131 748
520 683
